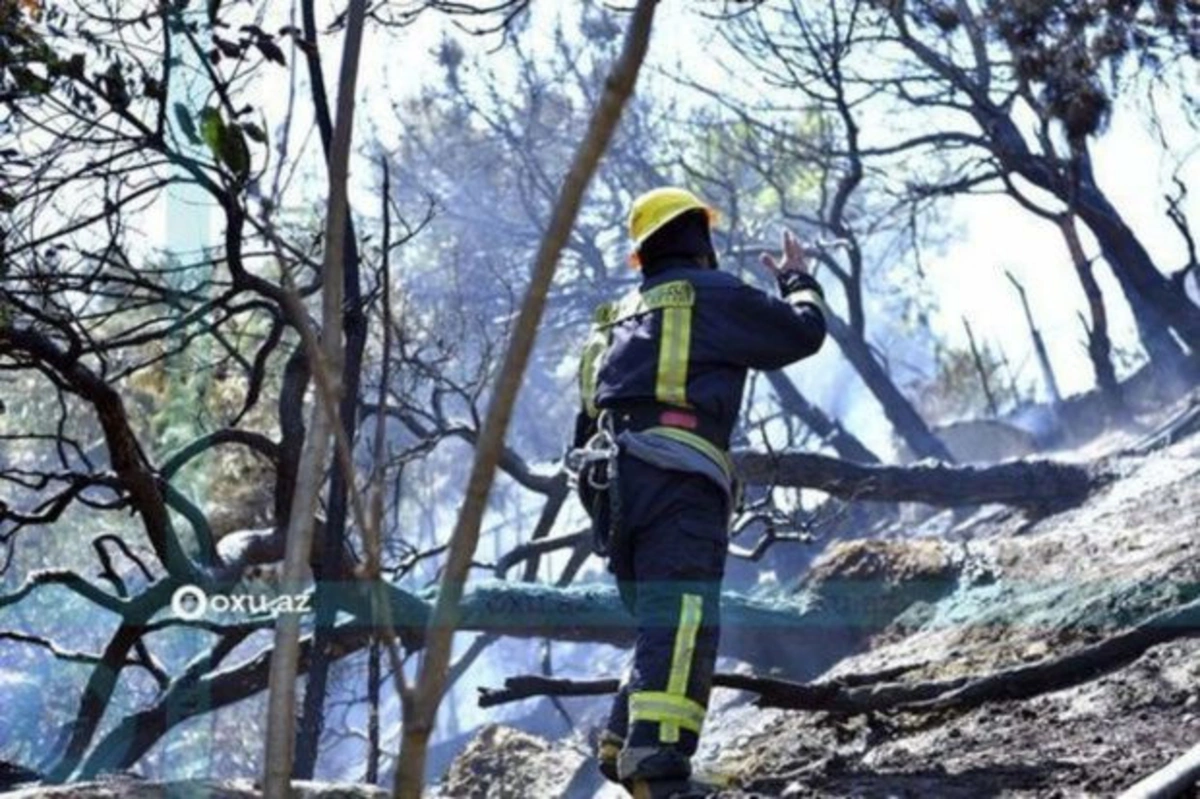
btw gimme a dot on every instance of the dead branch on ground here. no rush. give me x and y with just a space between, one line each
874 693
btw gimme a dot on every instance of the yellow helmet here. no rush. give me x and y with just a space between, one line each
657 207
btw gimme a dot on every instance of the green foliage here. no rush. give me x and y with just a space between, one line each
227 142
27 62
234 152
210 129
956 391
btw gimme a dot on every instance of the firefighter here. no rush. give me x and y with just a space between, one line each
661 379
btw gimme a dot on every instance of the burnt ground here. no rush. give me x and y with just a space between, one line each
1030 591
1092 740
1026 591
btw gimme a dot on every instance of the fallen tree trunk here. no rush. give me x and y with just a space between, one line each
825 695
528 685
1034 484
591 614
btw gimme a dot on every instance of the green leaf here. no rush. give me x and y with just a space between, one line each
7 202
29 81
183 117
211 129
234 152
255 132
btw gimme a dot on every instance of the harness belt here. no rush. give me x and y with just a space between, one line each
593 468
645 416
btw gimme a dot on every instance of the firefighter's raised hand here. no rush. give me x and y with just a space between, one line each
794 258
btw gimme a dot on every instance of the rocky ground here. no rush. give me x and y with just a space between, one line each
1024 591
130 788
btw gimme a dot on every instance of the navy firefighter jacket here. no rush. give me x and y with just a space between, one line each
685 338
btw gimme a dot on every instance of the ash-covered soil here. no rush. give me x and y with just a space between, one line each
1091 740
1024 591
123 787
1029 591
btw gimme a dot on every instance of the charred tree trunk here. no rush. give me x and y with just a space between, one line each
900 412
1099 346
1036 485
1157 305
844 443
374 684
1039 345
1154 298
291 427
333 544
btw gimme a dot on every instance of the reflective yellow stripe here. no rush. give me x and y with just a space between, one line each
664 708
676 294
591 359
806 296
690 613
675 299
718 456
629 306
673 351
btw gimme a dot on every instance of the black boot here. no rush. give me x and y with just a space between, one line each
657 773
670 789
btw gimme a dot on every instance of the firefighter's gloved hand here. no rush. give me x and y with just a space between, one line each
792 273
793 260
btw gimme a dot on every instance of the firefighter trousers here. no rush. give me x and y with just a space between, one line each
668 557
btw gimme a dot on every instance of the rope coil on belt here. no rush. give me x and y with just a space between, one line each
602 447
595 463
